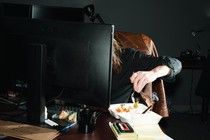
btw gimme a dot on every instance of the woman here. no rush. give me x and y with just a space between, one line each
133 70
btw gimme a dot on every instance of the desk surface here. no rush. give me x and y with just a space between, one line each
102 130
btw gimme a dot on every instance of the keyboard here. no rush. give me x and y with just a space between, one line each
57 108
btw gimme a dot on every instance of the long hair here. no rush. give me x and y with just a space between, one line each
117 50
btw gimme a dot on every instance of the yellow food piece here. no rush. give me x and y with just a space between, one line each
123 108
136 104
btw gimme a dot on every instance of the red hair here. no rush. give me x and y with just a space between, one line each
117 50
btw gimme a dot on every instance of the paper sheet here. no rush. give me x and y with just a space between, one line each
151 132
26 132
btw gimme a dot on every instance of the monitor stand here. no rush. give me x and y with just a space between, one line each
36 83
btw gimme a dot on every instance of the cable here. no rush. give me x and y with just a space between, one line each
3 100
56 96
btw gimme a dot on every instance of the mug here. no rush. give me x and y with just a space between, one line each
87 120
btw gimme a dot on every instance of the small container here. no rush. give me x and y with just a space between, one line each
87 120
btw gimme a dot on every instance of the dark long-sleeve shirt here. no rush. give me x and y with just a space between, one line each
133 61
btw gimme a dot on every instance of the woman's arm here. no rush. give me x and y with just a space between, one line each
141 78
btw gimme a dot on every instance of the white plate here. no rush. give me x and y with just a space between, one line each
113 107
135 116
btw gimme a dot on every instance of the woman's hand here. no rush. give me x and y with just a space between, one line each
141 78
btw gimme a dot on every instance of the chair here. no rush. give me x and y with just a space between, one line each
145 44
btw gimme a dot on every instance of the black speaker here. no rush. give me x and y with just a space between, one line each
36 83
16 10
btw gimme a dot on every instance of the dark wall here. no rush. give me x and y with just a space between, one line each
169 23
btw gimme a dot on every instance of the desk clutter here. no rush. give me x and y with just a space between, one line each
192 61
126 122
122 130
67 114
137 125
12 99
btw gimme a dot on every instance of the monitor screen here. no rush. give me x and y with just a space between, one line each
78 60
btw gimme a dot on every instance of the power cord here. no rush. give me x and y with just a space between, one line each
51 100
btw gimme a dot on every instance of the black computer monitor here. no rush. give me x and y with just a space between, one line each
78 57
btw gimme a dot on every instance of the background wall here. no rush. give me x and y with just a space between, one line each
169 23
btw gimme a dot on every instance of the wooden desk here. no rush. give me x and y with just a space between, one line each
102 131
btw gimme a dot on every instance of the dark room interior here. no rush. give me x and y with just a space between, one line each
178 28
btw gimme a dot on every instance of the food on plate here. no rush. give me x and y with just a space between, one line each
70 116
123 108
63 115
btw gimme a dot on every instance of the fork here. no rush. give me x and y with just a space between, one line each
132 97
